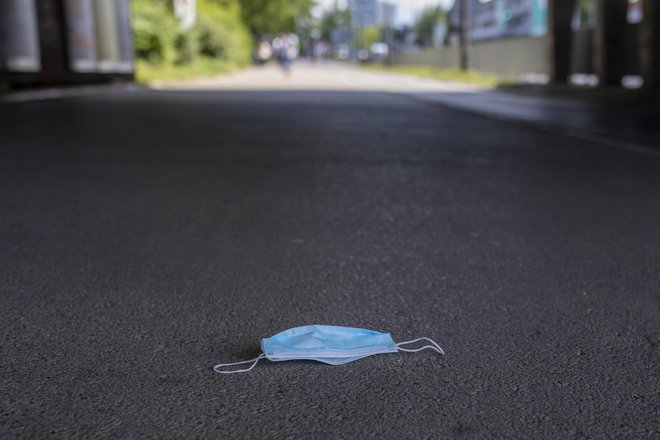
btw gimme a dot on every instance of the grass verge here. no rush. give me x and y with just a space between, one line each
470 76
202 67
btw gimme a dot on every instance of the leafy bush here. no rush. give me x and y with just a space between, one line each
155 29
366 36
212 39
186 45
219 33
222 33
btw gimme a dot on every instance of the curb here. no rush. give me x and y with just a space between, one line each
547 128
69 92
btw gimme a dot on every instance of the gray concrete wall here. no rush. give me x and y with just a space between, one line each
511 56
440 58
515 56
507 57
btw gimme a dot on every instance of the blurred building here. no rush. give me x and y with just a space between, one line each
46 42
492 19
363 13
386 13
509 18
591 42
371 13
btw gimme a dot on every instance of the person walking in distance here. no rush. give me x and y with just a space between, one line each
285 46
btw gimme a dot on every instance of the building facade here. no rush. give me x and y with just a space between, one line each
363 13
493 19
386 13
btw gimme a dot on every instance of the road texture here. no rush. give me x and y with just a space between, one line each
146 236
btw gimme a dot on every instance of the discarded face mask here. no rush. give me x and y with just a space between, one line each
332 345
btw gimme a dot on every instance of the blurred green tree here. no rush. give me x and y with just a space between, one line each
155 30
269 17
219 33
367 36
428 20
334 18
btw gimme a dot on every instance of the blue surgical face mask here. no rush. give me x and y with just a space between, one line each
327 343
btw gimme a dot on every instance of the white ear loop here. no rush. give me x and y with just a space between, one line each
434 346
255 360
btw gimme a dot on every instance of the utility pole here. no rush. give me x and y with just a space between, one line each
389 39
462 36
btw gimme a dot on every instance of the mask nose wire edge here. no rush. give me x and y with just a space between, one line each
254 361
434 346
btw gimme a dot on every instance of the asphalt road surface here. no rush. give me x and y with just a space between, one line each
146 236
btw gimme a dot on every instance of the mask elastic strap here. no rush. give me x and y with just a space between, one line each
255 360
434 346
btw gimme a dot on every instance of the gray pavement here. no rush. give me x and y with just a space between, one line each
619 119
146 236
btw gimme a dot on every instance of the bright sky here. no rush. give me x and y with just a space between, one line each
407 10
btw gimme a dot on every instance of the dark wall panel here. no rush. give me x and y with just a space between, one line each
52 42
19 38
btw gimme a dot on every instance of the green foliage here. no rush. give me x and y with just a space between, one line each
222 33
212 41
155 29
334 18
429 18
368 35
186 45
219 38
470 76
274 16
202 67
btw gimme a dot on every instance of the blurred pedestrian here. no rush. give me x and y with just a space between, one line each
285 46
264 52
